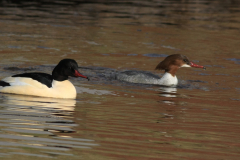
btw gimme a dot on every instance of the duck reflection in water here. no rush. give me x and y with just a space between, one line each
46 112
38 102
168 91
39 123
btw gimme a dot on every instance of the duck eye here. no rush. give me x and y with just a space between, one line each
71 69
185 60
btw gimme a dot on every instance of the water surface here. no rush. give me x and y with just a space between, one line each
111 119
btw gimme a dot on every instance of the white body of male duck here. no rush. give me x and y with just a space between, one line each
170 65
56 85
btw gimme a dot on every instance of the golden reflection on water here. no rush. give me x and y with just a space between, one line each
60 104
34 122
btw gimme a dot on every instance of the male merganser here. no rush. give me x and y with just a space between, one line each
170 64
44 85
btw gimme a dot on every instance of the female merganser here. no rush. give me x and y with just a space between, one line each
170 64
44 85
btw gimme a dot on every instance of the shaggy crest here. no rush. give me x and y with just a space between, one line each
172 60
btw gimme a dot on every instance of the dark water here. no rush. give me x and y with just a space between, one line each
211 15
111 119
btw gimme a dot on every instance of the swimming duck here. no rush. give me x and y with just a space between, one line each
56 85
170 65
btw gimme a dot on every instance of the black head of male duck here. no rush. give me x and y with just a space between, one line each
66 68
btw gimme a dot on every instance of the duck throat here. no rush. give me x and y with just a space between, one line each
172 70
58 76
